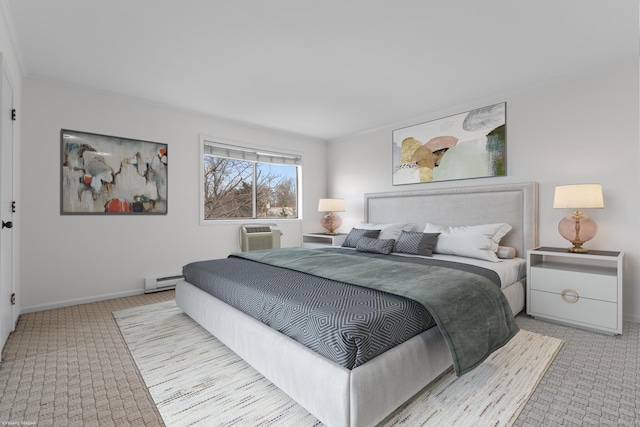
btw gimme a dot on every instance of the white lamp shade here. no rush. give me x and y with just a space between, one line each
578 196
331 205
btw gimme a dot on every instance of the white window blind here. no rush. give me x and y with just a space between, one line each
250 154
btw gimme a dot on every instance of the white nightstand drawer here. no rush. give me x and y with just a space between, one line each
592 286
585 311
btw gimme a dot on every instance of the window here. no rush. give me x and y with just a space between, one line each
241 182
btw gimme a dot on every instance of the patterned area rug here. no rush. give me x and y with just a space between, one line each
196 380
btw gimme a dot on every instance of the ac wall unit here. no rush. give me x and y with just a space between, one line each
259 236
156 284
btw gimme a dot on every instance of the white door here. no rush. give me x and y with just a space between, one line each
6 211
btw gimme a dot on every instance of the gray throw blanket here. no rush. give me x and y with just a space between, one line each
474 316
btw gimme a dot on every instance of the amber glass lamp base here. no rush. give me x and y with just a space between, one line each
577 228
331 222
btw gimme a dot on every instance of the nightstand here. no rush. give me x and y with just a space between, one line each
322 240
582 290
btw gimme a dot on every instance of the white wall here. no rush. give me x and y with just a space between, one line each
73 259
581 130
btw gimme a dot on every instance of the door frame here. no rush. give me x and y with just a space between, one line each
7 120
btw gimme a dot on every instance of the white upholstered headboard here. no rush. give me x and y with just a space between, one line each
515 204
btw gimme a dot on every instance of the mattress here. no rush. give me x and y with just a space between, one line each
508 271
348 324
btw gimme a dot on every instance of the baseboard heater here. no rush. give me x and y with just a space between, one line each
156 284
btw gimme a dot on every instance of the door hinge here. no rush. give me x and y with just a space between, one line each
13 298
13 207
13 114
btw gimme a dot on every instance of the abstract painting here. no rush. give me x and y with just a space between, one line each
462 146
103 174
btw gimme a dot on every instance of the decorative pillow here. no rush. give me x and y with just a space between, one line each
378 246
415 242
387 231
474 241
506 252
355 234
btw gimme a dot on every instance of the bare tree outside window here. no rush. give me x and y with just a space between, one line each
229 186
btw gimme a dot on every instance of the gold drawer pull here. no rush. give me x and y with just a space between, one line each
572 294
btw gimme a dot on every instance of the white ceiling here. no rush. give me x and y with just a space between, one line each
324 68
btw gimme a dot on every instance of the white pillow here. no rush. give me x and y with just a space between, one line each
387 231
506 252
473 241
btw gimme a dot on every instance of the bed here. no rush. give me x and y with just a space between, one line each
366 394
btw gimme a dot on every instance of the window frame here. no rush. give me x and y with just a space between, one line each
252 149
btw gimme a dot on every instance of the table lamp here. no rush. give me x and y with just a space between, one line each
578 227
330 221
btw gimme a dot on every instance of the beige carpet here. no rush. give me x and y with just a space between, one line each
195 380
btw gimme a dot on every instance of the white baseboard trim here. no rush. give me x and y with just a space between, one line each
68 303
635 319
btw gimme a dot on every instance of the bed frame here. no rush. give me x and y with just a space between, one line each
367 394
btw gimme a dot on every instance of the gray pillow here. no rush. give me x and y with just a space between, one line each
416 243
355 234
378 246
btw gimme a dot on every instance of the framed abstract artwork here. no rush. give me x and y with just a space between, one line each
109 175
462 146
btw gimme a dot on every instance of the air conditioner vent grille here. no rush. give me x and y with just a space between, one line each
258 229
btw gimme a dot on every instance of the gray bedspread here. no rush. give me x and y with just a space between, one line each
471 311
347 324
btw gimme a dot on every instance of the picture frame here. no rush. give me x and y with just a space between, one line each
109 175
462 146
